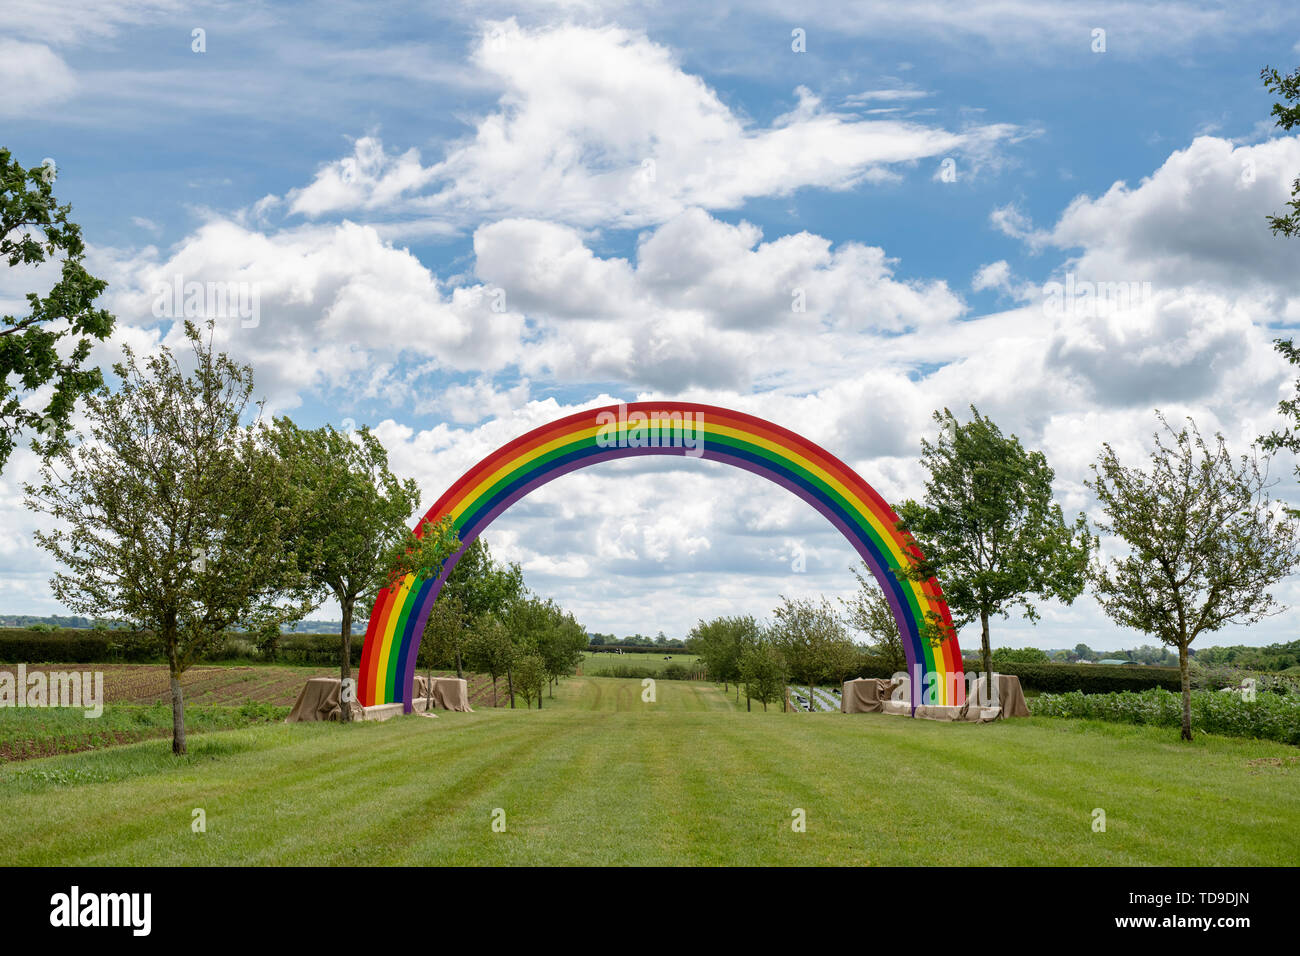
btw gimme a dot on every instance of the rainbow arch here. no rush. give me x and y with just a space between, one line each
683 429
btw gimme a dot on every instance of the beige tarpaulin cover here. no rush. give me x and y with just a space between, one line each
319 700
1011 697
449 693
865 695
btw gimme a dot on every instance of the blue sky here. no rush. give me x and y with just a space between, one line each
646 188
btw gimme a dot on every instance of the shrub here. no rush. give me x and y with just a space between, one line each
133 647
871 666
1267 717
627 670
1019 655
74 646
1056 678
315 649
1088 678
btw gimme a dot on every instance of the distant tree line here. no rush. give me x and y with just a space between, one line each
634 640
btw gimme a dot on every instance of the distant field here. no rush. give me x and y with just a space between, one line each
595 664
599 777
610 694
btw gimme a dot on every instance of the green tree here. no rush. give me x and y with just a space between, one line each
719 644
359 514
1205 542
481 585
530 676
171 513
843 657
543 628
1288 117
806 632
562 646
34 358
868 612
989 529
763 670
445 636
489 650
419 555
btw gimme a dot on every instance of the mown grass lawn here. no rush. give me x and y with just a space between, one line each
598 777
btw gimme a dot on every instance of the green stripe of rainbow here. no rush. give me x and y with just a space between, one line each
587 437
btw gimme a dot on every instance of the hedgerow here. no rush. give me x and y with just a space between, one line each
1267 717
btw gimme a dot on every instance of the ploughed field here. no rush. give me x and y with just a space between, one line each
601 776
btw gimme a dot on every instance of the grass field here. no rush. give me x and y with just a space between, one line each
596 664
598 777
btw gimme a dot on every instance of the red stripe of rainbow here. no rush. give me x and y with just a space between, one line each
577 441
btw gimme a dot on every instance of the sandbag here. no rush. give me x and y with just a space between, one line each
941 711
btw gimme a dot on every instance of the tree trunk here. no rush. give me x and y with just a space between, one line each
494 690
510 687
171 640
345 665
539 698
458 670
1187 691
748 708
178 713
987 655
